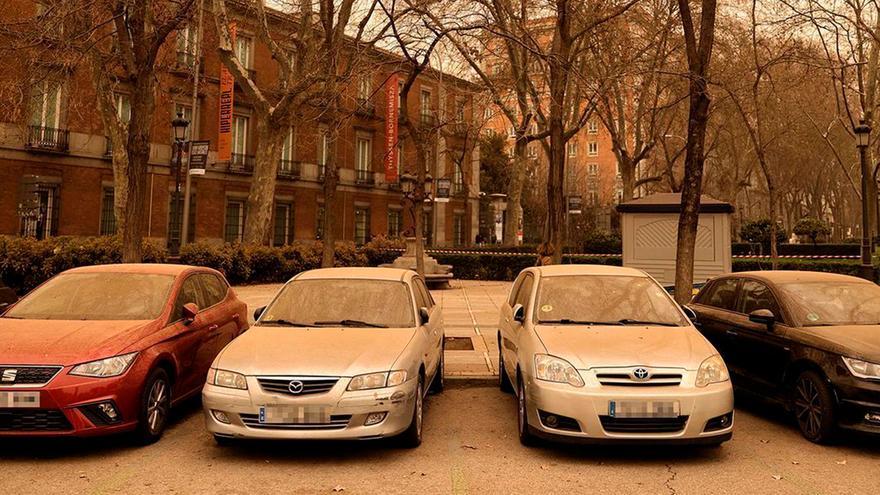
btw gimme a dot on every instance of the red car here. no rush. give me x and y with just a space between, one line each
110 348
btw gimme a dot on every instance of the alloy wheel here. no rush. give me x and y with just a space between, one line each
157 406
808 407
419 410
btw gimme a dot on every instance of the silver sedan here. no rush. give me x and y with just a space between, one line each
340 353
603 354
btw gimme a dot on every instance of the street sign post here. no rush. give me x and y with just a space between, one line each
198 157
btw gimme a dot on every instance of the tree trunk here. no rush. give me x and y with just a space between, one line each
331 179
139 127
514 193
418 209
554 228
774 225
262 192
627 176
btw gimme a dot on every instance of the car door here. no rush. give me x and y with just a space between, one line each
517 329
218 318
762 353
191 338
715 306
505 324
433 328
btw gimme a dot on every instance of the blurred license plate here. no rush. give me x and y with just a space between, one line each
644 409
20 399
294 414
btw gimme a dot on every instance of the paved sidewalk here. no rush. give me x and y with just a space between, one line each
470 311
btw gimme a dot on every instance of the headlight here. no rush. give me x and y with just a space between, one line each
227 379
862 369
377 380
105 368
712 370
553 369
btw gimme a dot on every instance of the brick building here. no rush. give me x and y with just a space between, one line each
56 176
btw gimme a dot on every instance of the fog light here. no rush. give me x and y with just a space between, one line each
551 421
220 416
374 418
872 417
108 410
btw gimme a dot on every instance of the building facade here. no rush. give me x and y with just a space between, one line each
56 177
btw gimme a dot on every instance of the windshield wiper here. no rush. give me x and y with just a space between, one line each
630 321
284 323
569 321
351 323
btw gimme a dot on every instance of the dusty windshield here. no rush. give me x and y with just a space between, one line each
834 303
96 296
597 299
341 302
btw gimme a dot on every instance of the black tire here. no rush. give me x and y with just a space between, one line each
812 403
223 441
503 380
412 437
522 421
437 384
154 408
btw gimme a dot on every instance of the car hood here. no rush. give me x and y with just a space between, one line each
267 350
858 341
588 347
65 342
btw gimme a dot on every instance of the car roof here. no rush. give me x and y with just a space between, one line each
148 268
795 276
362 273
563 270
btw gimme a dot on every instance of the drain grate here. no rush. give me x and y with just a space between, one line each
459 344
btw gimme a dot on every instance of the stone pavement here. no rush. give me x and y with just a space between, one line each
470 312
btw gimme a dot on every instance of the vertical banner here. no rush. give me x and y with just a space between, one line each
227 101
391 109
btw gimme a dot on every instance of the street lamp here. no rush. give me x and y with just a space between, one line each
413 193
863 139
178 126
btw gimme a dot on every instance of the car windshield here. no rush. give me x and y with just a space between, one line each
834 303
96 296
602 299
342 302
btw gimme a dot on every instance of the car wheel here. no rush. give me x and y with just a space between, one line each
437 383
503 379
522 419
412 437
155 406
813 405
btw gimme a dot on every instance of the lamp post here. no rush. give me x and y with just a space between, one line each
415 192
863 139
178 126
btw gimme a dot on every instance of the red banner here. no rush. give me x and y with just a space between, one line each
391 109
227 103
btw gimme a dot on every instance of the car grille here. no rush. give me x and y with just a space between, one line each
310 385
643 425
33 420
27 375
337 422
618 379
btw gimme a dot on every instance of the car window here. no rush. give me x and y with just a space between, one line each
420 297
190 292
422 289
722 294
214 289
525 291
511 299
755 296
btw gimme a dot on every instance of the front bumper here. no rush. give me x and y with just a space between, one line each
349 411
582 414
67 407
859 403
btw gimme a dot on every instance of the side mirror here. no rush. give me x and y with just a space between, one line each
763 317
190 310
690 313
259 312
519 313
424 315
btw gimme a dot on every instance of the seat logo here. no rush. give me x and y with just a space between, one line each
9 376
295 386
640 374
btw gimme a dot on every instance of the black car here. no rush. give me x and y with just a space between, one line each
808 340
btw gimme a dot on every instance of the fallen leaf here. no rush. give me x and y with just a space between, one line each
544 466
777 477
795 462
765 441
466 446
841 463
338 488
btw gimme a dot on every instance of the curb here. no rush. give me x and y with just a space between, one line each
468 381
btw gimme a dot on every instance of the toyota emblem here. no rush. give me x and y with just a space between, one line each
640 373
295 386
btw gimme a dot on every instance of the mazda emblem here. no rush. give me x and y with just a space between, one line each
9 376
640 374
295 386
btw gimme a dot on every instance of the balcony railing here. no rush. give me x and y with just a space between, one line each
365 107
289 169
42 138
364 177
241 164
458 189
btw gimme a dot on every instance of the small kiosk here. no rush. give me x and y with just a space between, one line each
650 231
